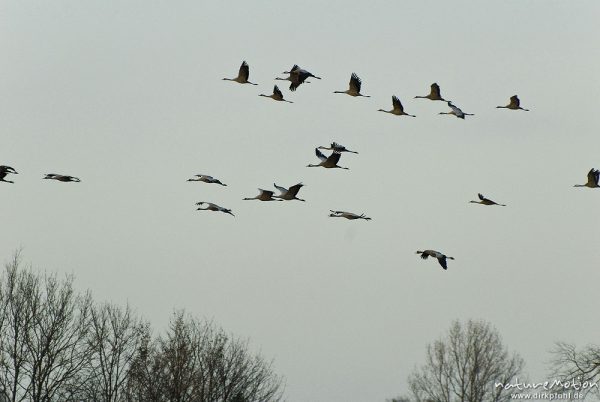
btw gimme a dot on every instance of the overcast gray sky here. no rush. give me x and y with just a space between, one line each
128 96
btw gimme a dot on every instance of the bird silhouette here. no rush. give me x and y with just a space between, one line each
348 215
398 109
4 171
436 254
353 87
592 179
328 162
277 95
515 104
209 206
243 75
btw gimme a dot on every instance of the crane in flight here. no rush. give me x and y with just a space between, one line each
243 75
353 87
515 104
435 254
398 109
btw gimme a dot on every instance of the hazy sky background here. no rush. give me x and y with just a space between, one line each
128 96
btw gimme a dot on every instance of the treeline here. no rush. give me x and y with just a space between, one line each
57 344
471 364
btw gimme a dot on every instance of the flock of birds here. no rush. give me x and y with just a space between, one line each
298 76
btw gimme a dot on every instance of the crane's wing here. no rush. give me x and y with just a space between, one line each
266 193
295 188
295 83
283 190
320 155
338 213
7 169
303 75
435 90
355 83
456 109
481 197
277 92
442 261
397 104
592 177
244 72
337 147
334 157
514 101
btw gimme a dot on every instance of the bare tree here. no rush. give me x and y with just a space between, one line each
20 290
114 337
196 361
44 334
465 366
180 352
582 366
144 379
57 346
